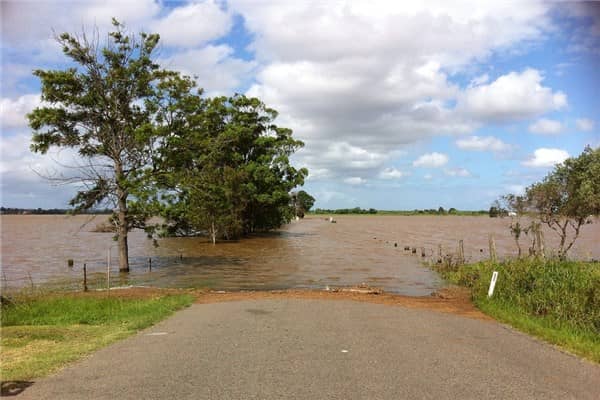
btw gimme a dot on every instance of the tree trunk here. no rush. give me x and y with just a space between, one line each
213 232
122 227
122 239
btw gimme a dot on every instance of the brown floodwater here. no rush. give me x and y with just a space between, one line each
311 253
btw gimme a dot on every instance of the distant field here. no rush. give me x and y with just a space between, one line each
354 211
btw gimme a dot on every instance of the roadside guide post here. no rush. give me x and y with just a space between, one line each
493 283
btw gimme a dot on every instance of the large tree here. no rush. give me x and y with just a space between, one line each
228 171
567 197
106 107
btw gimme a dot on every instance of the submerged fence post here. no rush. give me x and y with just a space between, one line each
461 252
85 288
492 244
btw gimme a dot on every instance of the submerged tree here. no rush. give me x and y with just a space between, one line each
105 107
229 169
302 202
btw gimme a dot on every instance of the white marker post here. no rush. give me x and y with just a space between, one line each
493 283
108 271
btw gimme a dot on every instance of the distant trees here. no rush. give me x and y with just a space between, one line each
303 202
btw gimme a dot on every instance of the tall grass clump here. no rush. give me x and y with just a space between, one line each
563 290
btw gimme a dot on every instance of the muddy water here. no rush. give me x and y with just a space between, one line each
311 253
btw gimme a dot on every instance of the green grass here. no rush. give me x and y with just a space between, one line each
41 334
558 301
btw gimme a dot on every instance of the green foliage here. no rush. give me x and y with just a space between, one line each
302 202
106 107
227 170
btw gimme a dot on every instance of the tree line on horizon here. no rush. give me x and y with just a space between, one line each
152 144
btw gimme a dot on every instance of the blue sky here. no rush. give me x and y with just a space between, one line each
400 106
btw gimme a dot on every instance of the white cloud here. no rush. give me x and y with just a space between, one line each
483 143
428 177
512 97
458 172
32 23
13 112
218 72
355 180
392 173
546 127
335 160
193 24
431 160
479 80
584 124
368 82
544 157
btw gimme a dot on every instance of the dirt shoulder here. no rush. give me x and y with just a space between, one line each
450 300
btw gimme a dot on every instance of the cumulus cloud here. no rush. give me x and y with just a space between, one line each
193 24
32 23
545 157
459 172
218 72
483 143
369 83
545 126
13 111
512 97
355 180
392 173
22 174
431 160
584 124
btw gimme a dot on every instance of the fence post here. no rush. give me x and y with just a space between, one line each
539 241
149 264
492 244
85 288
461 252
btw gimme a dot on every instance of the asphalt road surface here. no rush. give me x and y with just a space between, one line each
314 349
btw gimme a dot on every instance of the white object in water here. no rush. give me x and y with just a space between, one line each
493 283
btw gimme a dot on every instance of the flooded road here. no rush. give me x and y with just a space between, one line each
311 253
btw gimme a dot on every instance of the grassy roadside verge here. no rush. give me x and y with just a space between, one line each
557 301
42 333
